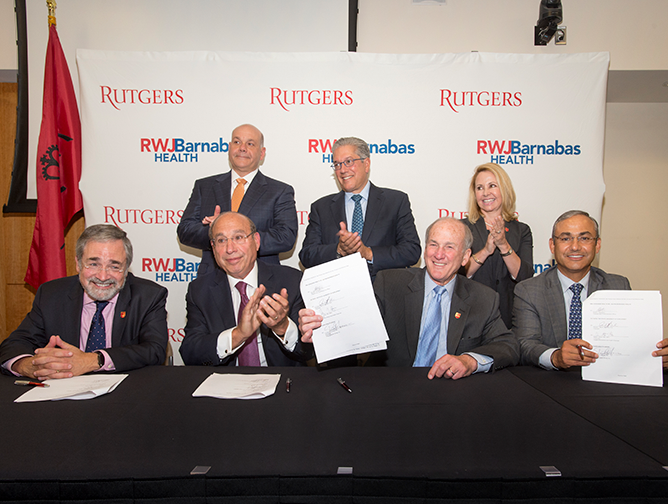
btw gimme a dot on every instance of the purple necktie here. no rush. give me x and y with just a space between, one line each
249 355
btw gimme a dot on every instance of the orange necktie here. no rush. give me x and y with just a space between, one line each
238 194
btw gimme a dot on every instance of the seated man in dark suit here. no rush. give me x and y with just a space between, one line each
547 314
104 319
270 204
376 222
241 313
436 318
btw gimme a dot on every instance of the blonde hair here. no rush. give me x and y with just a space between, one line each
507 192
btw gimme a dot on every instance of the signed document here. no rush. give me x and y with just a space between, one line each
624 328
238 386
77 387
341 292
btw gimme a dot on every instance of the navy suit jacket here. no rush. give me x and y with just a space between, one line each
139 332
270 204
474 323
539 313
389 230
210 312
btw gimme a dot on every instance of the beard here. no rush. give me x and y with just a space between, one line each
92 288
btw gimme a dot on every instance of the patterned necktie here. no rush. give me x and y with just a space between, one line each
358 219
575 317
97 336
238 194
428 344
249 355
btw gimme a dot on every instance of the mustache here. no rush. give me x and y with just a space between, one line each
97 281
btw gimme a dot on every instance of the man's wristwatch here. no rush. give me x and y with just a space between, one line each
100 359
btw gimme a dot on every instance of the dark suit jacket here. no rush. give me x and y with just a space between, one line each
139 332
389 229
210 312
479 328
270 204
493 273
539 316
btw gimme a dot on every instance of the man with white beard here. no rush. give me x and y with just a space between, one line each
103 319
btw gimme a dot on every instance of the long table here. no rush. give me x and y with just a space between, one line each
398 437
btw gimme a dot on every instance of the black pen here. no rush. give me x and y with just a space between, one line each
27 383
288 382
343 384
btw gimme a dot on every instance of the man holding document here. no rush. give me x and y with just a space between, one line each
547 315
241 313
436 318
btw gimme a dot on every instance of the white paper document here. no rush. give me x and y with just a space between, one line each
77 387
624 328
341 292
238 386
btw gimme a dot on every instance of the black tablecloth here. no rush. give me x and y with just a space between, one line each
396 428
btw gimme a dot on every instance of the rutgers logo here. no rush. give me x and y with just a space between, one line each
288 97
116 97
458 99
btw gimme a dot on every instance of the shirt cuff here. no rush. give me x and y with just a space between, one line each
485 362
9 363
108 362
545 359
224 346
291 336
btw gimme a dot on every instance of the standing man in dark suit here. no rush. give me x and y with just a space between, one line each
270 204
244 312
547 307
436 318
376 222
104 319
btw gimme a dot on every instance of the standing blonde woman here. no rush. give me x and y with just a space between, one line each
502 246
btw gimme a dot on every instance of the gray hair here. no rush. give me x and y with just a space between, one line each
104 233
361 147
573 213
213 224
468 236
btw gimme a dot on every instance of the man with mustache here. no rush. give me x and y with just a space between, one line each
103 319
547 313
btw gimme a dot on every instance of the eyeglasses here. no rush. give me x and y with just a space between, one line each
584 240
96 268
347 162
236 239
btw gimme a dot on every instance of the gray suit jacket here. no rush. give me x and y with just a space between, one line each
539 312
474 325
269 203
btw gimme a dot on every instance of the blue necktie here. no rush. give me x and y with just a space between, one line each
428 344
97 336
358 218
575 316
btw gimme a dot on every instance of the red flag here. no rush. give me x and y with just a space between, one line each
58 168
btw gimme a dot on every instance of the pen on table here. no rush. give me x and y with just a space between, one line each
26 383
582 354
288 382
343 384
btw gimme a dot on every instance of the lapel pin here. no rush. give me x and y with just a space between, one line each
507 230
122 314
457 314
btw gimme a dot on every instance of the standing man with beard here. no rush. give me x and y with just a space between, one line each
104 319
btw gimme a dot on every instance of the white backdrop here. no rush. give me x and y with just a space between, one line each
430 119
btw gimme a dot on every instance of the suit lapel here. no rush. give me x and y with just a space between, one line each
73 316
222 192
413 309
253 194
459 312
120 312
337 208
554 298
221 298
373 210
